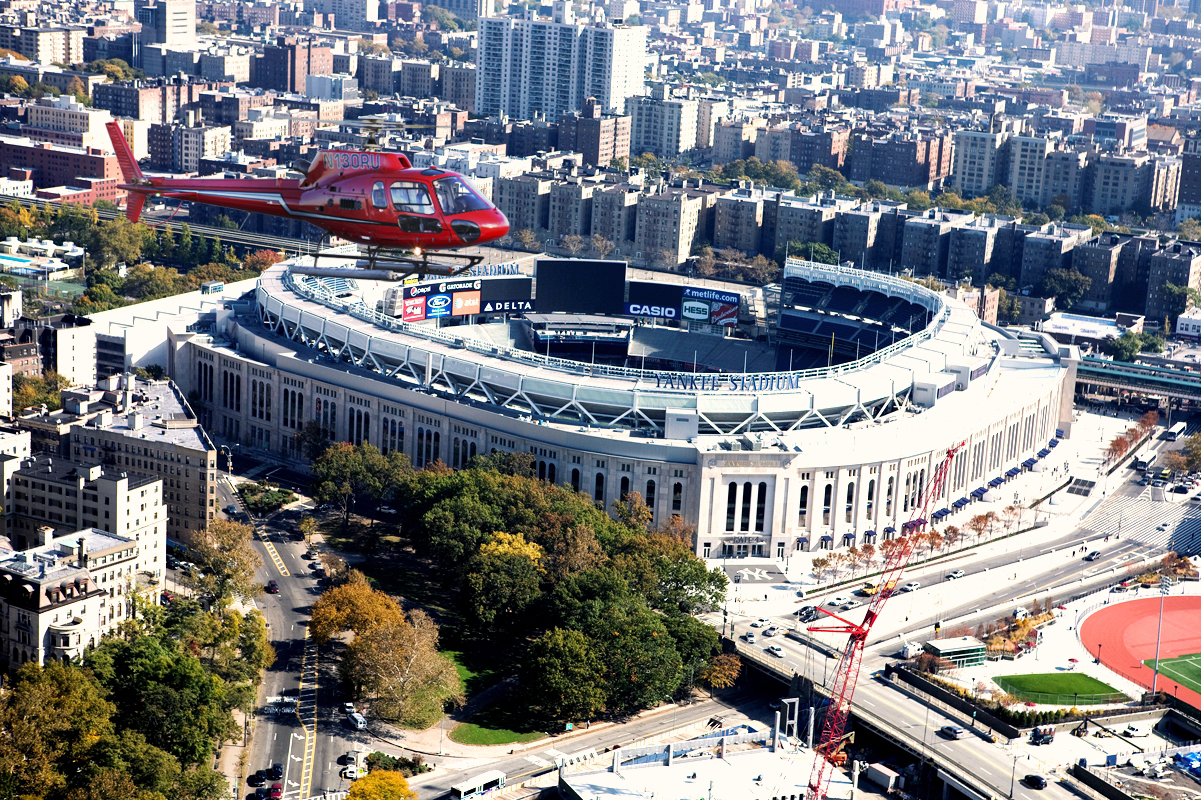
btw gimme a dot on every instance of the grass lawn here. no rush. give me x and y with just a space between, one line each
476 671
1059 688
1185 670
503 722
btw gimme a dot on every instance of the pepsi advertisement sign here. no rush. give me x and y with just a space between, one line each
437 305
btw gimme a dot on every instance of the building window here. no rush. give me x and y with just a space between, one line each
599 494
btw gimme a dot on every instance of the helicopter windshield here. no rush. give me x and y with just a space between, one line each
457 196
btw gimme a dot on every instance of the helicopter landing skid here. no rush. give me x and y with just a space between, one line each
407 262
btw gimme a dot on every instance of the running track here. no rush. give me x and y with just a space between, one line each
1125 634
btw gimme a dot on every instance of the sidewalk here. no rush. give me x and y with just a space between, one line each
1082 456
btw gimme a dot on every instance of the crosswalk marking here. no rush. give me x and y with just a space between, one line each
1141 518
538 762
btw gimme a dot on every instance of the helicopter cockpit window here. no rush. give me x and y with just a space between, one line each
457 196
379 198
412 197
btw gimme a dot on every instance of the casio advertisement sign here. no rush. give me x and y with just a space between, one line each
696 309
437 305
642 310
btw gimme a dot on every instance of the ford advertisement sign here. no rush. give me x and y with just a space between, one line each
437 305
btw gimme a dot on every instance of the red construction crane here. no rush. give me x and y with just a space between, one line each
828 747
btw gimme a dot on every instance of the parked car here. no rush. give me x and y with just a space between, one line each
956 574
272 587
257 778
1118 590
952 731
276 773
1181 489
277 791
387 510
761 623
352 772
912 586
172 562
776 650
1035 781
1093 556
348 708
231 509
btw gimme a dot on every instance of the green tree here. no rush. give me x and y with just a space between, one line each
1067 286
226 553
562 676
639 657
500 588
918 199
346 473
51 718
1179 298
116 240
1192 452
1189 230
810 251
163 692
397 666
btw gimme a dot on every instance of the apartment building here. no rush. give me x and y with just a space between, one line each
1189 197
60 598
553 65
600 138
525 201
53 496
734 139
285 64
1027 167
1178 264
807 219
64 120
662 124
1049 249
871 234
1121 182
151 431
615 213
668 225
746 219
1099 260
919 159
979 161
927 241
571 207
988 244
59 165
48 45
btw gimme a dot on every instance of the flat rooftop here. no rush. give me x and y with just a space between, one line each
165 417
757 774
61 470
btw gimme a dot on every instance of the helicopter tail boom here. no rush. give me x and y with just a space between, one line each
130 170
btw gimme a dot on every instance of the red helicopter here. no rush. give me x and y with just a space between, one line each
404 216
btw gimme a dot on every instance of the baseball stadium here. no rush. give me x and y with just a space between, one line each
801 416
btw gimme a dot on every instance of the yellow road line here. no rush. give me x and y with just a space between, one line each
275 558
308 673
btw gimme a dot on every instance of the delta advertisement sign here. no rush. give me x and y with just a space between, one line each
668 301
461 298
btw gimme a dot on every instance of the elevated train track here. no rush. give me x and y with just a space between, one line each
288 245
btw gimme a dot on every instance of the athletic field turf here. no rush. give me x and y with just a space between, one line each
1059 688
1185 670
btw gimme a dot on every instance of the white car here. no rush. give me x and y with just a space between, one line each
351 772
838 601
772 631
776 650
956 574
761 623
912 586
848 605
387 510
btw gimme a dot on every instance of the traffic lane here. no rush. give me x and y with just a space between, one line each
733 710
280 738
920 721
993 762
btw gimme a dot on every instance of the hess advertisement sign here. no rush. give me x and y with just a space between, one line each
710 305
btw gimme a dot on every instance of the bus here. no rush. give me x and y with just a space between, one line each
872 587
1176 431
483 784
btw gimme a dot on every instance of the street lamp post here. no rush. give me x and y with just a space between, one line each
1013 776
1165 586
1098 660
